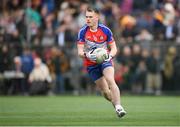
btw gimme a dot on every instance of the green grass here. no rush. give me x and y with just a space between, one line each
89 110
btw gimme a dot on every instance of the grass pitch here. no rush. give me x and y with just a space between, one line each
88 111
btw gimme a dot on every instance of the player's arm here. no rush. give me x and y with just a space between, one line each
112 52
80 44
81 52
80 47
111 44
113 49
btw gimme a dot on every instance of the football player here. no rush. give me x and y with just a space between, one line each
96 35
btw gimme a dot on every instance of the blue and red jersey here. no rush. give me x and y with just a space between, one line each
100 38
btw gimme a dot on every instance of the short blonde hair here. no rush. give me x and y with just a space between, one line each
91 8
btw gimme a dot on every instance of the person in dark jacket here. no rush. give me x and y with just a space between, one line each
153 81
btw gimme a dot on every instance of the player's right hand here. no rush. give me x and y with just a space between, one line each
91 56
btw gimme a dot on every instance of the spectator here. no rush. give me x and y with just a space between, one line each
11 33
144 38
125 60
144 35
140 78
158 25
16 80
39 78
19 75
169 69
27 66
129 30
120 72
138 70
135 57
145 21
169 14
126 6
66 31
81 17
171 31
33 18
154 81
61 65
48 34
5 59
76 66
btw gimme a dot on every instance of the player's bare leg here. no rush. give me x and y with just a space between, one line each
104 88
109 76
108 73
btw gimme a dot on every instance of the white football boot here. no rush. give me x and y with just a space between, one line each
120 112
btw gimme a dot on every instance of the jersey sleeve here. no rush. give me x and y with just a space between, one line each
110 38
81 37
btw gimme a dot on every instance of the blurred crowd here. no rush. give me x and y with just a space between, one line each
38 53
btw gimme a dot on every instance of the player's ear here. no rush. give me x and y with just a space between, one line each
97 16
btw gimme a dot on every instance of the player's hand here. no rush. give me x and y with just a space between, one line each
91 56
108 58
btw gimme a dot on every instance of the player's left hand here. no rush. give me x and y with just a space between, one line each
108 58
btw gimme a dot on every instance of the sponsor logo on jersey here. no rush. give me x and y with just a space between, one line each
101 38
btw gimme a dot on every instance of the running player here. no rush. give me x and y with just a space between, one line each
96 35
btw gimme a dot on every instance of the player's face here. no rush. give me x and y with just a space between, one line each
91 18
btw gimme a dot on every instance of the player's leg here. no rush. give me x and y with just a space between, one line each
104 88
108 73
97 76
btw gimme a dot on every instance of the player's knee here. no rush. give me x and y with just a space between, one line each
110 81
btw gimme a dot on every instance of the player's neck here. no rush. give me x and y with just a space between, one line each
94 28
